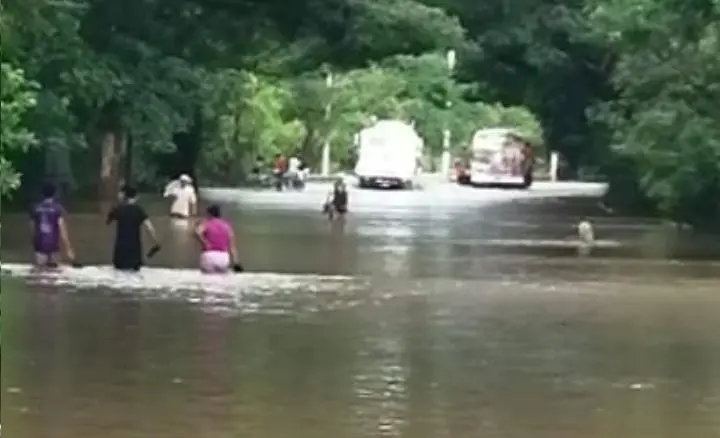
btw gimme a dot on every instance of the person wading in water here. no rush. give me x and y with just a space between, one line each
129 218
184 204
217 238
337 200
49 230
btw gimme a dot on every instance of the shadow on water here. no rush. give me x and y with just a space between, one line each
440 335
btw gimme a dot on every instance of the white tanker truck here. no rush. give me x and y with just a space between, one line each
388 155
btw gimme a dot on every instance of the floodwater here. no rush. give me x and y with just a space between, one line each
442 331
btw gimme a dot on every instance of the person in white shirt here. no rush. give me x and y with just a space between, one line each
185 200
293 168
297 172
303 173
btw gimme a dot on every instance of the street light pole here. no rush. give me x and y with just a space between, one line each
451 60
326 146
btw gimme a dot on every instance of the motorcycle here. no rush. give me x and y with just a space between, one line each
260 181
279 181
297 182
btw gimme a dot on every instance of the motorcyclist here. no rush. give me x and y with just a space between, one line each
296 172
304 172
293 167
280 166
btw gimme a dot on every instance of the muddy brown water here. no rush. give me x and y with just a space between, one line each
443 337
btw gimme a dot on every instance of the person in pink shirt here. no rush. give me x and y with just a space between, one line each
217 239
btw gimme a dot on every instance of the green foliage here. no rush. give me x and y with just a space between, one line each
664 121
629 86
17 97
259 115
251 118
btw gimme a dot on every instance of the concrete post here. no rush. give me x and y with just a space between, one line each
445 160
554 163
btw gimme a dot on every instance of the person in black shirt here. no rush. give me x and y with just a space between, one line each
337 200
129 218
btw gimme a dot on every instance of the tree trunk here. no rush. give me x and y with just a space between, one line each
109 138
128 158
110 147
308 148
188 148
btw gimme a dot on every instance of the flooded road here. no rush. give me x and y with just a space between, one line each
441 331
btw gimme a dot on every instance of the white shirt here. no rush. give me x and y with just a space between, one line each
293 165
184 198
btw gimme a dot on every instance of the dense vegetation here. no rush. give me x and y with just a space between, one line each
97 90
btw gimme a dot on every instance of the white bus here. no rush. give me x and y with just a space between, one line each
500 157
388 155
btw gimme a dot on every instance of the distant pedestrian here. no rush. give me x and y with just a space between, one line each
49 230
184 203
280 165
336 203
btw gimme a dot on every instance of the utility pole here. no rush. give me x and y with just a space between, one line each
328 113
451 60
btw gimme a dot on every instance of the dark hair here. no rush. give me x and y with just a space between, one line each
129 192
48 190
213 210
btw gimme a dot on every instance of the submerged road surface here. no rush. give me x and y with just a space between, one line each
442 313
433 194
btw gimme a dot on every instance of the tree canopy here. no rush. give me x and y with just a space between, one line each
149 88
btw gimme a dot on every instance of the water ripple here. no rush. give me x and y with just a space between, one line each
247 293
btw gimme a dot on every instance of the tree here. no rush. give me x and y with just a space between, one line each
17 97
138 70
664 121
251 116
538 55
144 89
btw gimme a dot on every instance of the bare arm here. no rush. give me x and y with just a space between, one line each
200 234
233 248
110 217
151 231
65 238
193 204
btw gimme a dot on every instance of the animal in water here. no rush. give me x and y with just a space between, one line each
586 232
586 235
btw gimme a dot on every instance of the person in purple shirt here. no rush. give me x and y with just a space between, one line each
50 233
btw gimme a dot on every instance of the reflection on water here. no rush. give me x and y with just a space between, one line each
433 337
439 359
